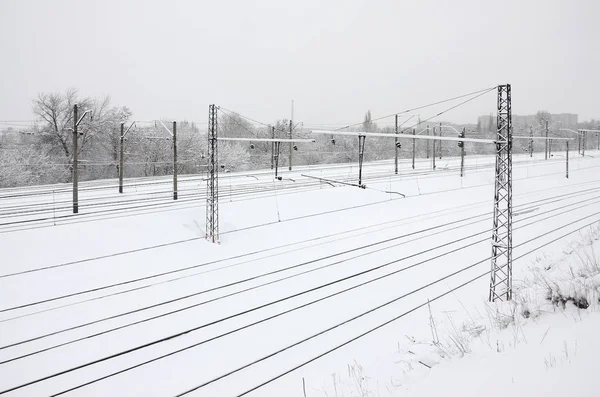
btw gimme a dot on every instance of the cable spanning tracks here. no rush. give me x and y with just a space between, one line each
362 230
29 214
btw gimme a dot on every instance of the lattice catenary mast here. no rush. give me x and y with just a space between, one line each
501 272
212 180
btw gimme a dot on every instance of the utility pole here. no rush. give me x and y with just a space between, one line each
413 158
291 144
461 145
549 148
440 141
121 154
75 163
361 152
567 159
583 139
272 145
276 155
531 141
427 143
174 138
546 152
433 149
501 269
578 142
174 160
396 148
75 174
121 158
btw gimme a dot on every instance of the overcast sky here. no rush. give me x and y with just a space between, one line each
335 59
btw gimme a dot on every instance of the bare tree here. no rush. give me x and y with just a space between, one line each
367 123
543 116
56 110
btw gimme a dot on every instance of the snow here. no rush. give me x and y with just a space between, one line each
557 357
298 227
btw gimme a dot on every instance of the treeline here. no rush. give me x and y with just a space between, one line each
43 153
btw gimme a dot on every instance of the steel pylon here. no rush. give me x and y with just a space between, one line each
212 180
501 271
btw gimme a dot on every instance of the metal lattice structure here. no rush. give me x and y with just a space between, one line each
212 180
501 272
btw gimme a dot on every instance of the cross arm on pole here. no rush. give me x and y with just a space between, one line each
165 127
299 140
405 136
570 130
83 115
128 128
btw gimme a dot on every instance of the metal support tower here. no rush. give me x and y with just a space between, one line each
427 143
277 146
433 151
501 269
461 145
121 157
531 141
212 180
291 146
396 148
272 146
567 159
546 152
361 152
440 141
174 133
75 175
414 143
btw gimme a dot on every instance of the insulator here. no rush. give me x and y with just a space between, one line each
398 145
333 141
251 146
295 147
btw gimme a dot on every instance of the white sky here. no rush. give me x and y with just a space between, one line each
335 58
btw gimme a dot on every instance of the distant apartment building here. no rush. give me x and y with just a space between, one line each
567 120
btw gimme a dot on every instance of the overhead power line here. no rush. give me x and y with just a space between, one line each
484 91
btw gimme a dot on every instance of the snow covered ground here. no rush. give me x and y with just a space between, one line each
297 257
